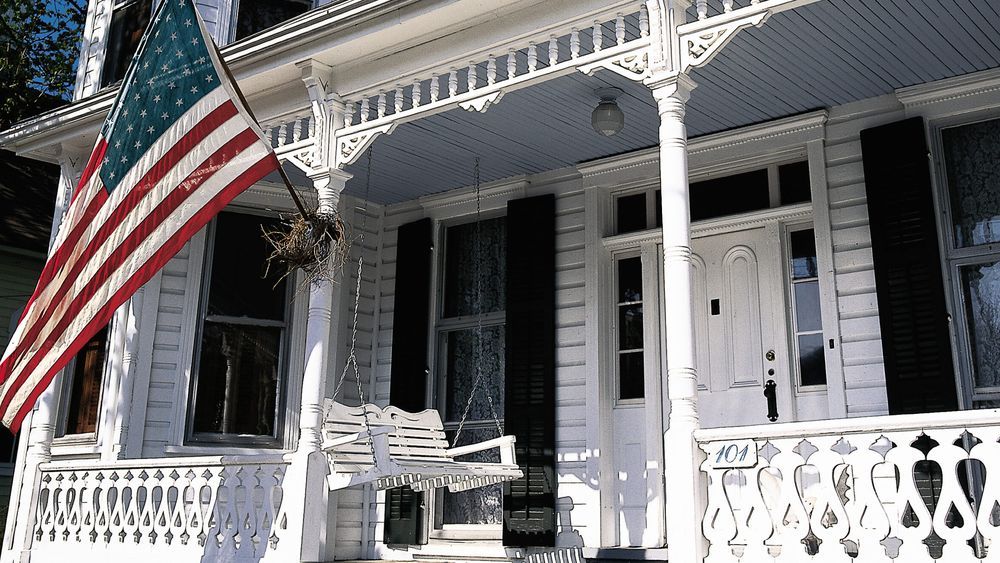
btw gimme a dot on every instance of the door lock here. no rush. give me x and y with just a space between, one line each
771 393
769 355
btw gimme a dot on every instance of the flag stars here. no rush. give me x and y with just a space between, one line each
111 174
171 85
142 113
137 97
187 72
145 64
194 89
179 53
124 159
151 129
165 116
179 102
201 60
150 82
173 36
138 144
129 128
118 144
159 50
208 78
165 68
188 23
169 16
194 40
156 99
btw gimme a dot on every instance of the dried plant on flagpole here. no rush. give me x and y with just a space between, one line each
315 243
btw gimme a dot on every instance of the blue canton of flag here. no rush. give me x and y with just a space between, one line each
178 145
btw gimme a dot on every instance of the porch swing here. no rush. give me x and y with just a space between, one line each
392 448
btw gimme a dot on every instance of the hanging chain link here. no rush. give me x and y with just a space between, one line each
479 323
352 359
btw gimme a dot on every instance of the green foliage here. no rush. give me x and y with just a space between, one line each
39 46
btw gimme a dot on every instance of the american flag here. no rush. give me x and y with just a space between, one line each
177 146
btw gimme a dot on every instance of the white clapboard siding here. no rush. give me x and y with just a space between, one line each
18 275
857 305
574 493
367 220
173 306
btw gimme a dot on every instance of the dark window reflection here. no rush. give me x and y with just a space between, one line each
631 212
258 15
128 23
83 407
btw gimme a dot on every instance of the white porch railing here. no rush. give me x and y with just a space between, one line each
896 488
175 509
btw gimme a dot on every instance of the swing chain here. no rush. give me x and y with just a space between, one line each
479 323
352 359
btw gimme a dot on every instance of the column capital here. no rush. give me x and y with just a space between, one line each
329 182
675 85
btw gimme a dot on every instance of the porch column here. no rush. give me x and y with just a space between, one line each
681 473
305 485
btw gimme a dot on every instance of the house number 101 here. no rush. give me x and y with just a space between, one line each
733 454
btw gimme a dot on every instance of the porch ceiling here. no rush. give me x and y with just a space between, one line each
825 54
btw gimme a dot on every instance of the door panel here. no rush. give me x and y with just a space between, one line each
739 318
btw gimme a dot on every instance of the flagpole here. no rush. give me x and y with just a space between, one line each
243 100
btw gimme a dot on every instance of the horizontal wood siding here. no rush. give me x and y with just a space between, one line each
349 534
857 305
174 305
18 276
576 495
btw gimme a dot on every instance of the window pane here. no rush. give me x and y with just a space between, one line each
239 286
659 208
464 260
630 377
462 361
631 210
812 366
84 404
629 280
807 311
729 195
793 182
630 327
972 156
128 22
237 379
981 284
803 254
483 505
258 15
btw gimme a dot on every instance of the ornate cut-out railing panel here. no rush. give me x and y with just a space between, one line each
174 509
907 489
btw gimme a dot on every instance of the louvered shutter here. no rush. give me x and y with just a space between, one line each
916 344
404 508
529 409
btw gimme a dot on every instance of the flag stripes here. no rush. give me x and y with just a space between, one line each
177 147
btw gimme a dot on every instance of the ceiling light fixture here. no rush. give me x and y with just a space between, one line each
607 118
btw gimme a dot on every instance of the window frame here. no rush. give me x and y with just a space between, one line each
791 317
233 18
66 393
279 439
615 332
103 81
441 327
954 258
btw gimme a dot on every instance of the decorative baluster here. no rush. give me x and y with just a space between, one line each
311 124
297 130
473 76
380 110
574 43
620 29
532 57
397 99
434 88
491 71
727 5
702 6
598 35
348 115
644 20
283 135
511 64
365 110
453 83
553 50
415 93
269 135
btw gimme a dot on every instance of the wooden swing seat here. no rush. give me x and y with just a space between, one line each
410 449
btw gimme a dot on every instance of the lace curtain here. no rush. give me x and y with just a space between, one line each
972 154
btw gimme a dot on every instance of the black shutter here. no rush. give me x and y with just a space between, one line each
916 344
529 410
404 508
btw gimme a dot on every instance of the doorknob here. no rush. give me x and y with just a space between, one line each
771 392
769 356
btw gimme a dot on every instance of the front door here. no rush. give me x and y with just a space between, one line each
739 319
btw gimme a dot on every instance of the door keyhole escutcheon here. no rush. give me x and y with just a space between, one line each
771 393
769 355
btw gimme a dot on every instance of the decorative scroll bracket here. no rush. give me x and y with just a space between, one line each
482 103
303 159
349 147
699 47
634 65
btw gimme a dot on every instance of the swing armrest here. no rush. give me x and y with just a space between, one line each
501 442
356 437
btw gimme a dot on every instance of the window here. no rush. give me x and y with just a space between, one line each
258 15
81 401
764 188
972 168
240 354
807 320
473 295
129 19
629 341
